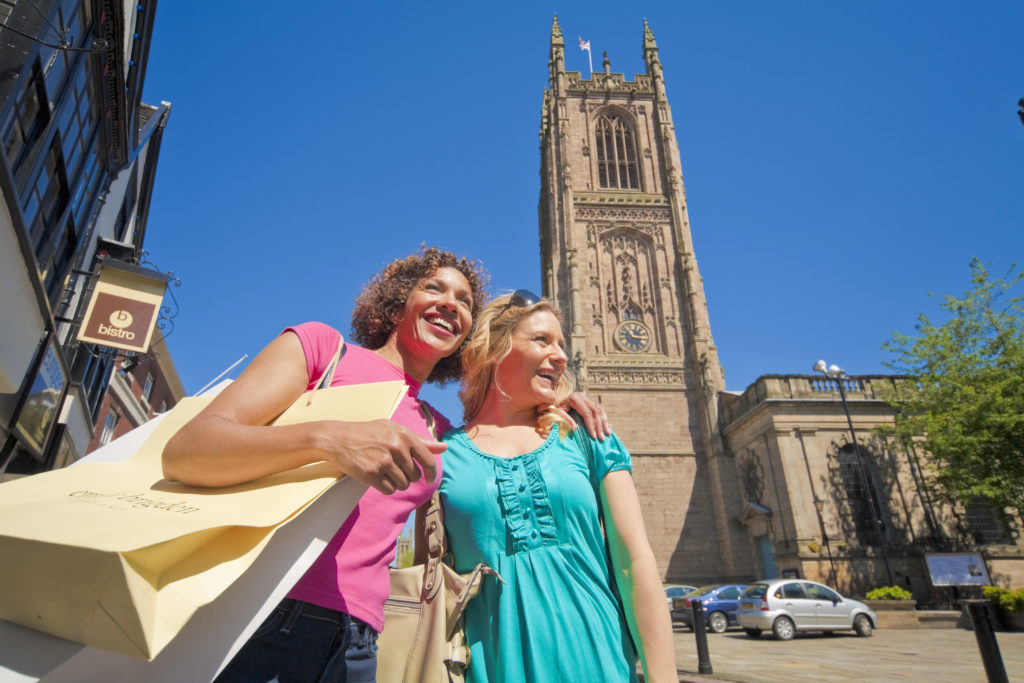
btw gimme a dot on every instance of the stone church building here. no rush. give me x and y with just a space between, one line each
735 486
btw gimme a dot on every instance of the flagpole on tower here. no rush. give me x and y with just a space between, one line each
585 45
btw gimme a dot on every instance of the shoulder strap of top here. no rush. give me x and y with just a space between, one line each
327 376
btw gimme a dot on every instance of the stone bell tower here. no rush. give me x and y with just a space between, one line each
617 257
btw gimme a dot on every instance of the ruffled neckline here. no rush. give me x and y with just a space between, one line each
460 433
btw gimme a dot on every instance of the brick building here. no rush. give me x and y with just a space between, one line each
140 388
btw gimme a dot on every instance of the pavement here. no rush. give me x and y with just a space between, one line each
888 655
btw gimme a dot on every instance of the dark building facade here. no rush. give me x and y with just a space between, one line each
77 167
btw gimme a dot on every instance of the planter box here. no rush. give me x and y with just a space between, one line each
1013 621
894 613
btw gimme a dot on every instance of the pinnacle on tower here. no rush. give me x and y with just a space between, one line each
556 32
649 42
651 56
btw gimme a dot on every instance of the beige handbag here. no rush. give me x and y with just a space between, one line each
110 554
424 637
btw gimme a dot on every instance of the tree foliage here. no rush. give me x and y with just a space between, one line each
965 405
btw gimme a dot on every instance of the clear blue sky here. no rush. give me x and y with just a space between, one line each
841 160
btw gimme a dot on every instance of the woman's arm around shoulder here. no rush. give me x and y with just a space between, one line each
229 442
636 572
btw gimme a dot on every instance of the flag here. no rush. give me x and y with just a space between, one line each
584 44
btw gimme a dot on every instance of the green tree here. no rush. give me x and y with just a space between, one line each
406 558
964 405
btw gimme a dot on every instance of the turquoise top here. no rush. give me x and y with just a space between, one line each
534 519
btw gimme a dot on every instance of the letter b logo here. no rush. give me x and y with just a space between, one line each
121 319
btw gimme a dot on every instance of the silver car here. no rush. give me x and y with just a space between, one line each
676 590
785 606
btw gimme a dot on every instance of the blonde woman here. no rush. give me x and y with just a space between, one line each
520 495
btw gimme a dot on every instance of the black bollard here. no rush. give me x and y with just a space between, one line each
981 619
701 636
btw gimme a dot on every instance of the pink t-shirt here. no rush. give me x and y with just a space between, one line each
351 575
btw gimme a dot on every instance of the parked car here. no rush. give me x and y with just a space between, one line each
785 606
720 603
676 590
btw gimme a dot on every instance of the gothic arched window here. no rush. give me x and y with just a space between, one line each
616 154
985 522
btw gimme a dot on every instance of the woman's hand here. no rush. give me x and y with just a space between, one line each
381 453
594 416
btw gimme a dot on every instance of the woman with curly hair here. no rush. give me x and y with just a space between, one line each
412 321
524 497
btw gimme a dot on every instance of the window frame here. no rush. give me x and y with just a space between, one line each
618 164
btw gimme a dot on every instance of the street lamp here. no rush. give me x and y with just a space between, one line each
839 375
819 505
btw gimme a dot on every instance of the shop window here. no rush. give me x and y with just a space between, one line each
108 428
25 131
46 203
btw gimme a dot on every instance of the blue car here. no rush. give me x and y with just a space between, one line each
720 602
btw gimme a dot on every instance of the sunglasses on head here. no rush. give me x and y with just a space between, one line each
520 297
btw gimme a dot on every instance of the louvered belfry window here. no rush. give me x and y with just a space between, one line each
616 154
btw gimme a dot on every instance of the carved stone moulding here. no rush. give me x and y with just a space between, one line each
589 107
635 376
618 234
602 199
609 83
608 213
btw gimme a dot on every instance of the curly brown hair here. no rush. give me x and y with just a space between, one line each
383 298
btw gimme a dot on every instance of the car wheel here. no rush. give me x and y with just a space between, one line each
718 622
862 625
753 632
783 628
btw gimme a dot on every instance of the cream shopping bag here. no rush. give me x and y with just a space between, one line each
112 555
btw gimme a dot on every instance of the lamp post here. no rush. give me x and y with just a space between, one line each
836 373
819 505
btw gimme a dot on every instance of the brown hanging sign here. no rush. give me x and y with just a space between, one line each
124 307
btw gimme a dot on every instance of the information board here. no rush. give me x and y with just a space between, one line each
957 569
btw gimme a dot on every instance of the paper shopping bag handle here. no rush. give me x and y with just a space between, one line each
327 377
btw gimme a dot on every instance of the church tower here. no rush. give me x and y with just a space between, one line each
617 257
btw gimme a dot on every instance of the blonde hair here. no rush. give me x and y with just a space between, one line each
489 344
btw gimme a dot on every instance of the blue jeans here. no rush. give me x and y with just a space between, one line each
304 643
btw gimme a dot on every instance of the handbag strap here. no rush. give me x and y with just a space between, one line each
433 526
327 376
583 441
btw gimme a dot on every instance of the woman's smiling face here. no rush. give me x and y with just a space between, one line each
437 315
528 376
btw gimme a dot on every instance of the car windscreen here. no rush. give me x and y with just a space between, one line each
755 590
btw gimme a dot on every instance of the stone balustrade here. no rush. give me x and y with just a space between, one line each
806 387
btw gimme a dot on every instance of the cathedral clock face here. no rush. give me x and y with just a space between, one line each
633 336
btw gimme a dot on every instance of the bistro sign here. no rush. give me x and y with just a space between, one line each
123 307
